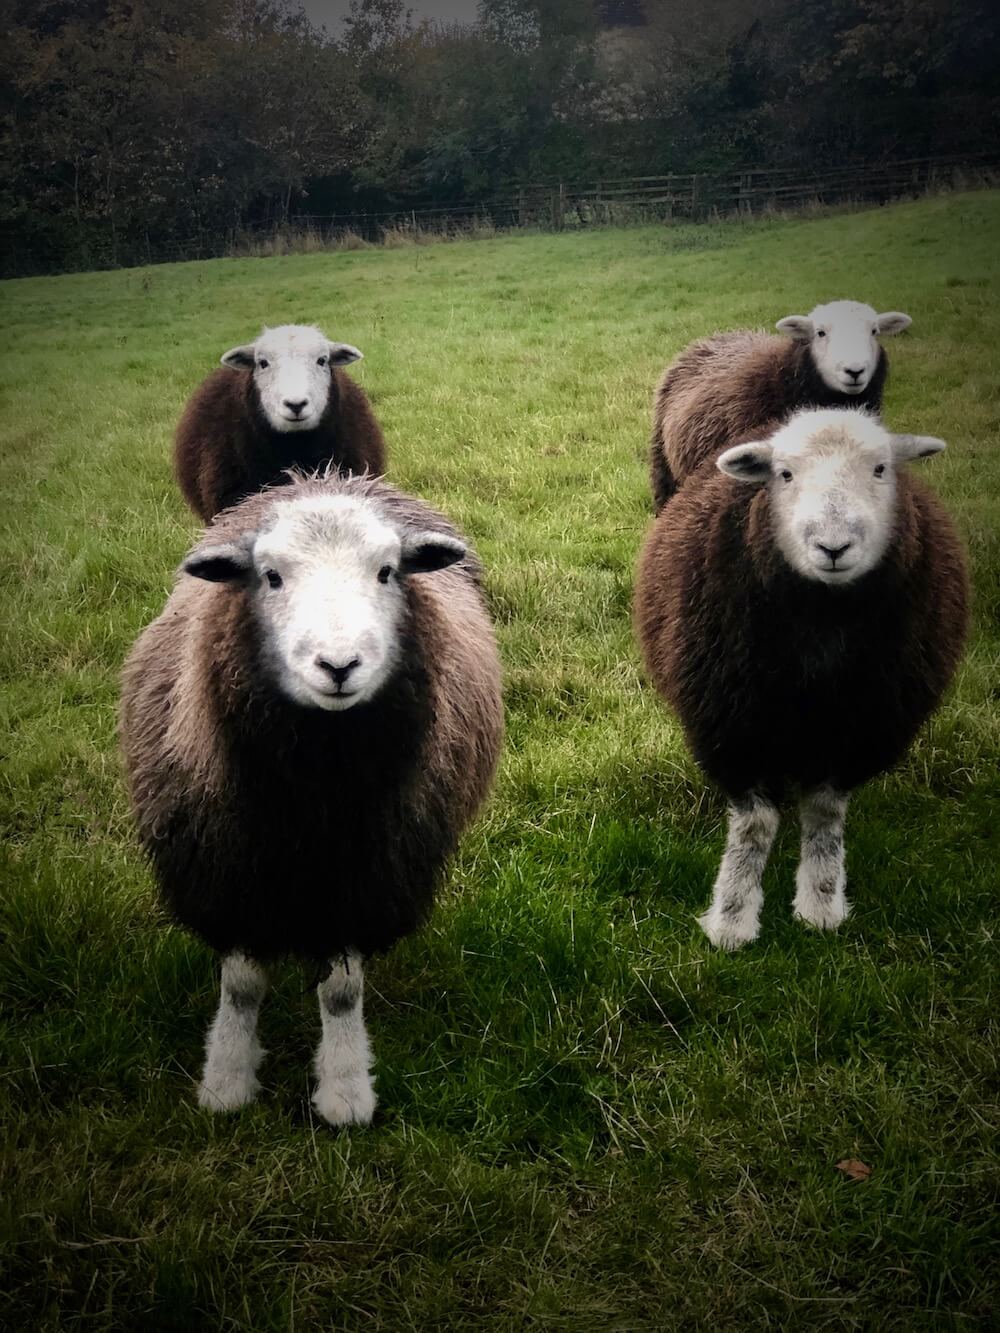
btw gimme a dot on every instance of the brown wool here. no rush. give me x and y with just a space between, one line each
780 681
277 829
225 449
728 388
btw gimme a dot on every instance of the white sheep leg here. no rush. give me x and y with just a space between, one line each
733 918
345 1093
232 1051
821 879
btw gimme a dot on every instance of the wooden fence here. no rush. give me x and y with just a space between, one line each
561 206
699 196
693 197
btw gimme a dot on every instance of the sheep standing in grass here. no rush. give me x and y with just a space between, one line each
307 728
802 602
277 403
728 386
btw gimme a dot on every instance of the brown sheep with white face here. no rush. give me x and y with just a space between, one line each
802 603
728 386
307 728
280 402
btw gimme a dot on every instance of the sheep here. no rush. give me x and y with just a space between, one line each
307 728
276 403
802 603
731 384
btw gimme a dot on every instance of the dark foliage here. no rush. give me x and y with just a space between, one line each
131 130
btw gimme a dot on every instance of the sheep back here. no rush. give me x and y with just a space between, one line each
279 830
780 681
225 449
725 388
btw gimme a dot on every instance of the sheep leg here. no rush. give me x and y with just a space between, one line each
733 917
232 1051
345 1093
821 879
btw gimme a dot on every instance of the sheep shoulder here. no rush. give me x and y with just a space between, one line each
219 440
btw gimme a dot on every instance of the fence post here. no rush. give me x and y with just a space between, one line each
696 197
558 207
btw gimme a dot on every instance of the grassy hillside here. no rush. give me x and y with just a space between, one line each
588 1119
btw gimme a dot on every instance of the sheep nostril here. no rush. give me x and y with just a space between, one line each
295 406
834 552
854 374
338 674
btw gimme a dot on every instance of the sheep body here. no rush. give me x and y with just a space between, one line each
227 445
726 387
307 728
783 683
276 829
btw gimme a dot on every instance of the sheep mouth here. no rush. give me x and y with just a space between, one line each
854 386
835 573
335 701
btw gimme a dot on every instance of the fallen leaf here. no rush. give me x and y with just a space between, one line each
853 1169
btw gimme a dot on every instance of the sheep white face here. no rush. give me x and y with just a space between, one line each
843 341
326 580
292 373
831 475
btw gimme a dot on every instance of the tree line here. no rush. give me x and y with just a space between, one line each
129 126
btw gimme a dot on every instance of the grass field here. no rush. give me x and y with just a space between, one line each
589 1119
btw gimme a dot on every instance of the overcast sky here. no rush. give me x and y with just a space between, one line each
330 12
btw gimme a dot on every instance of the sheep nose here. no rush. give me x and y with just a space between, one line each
295 405
854 372
338 674
834 552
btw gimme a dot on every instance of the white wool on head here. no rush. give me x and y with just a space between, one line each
292 371
831 475
331 610
843 341
325 580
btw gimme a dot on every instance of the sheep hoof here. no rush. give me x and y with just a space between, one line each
227 1089
348 1101
727 930
823 912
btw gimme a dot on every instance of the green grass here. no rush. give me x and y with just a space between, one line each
589 1119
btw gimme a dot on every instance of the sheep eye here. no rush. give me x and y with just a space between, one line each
321 361
786 475
821 333
262 364
384 573
273 578
879 469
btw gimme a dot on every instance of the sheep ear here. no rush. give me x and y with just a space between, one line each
424 552
893 321
906 447
229 562
342 354
239 358
747 462
799 326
